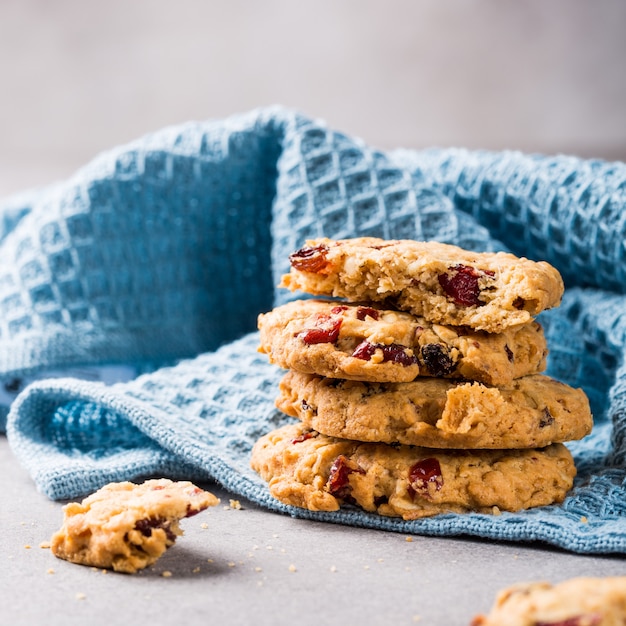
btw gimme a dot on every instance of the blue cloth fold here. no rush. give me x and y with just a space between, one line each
161 253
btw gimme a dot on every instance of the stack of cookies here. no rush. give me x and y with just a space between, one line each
417 383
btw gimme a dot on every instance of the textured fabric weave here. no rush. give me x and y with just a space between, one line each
160 254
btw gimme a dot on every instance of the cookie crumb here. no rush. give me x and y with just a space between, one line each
417 618
44 545
49 571
409 539
235 504
81 596
258 569
209 560
204 525
231 563
496 511
292 568
584 519
196 570
166 573
27 547
333 568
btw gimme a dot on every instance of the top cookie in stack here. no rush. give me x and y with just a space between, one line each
443 283
432 349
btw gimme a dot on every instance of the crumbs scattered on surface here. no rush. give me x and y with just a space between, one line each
333 568
44 544
204 525
166 573
27 546
292 568
235 504
81 596
409 539
49 571
584 519
496 511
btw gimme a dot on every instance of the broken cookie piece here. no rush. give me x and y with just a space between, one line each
574 602
126 526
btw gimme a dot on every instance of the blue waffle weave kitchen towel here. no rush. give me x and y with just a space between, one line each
159 255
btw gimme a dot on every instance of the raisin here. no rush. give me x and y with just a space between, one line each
310 259
519 303
591 619
326 330
338 480
462 284
393 352
546 419
146 525
437 360
365 311
421 474
509 353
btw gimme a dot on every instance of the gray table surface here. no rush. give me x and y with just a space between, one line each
250 566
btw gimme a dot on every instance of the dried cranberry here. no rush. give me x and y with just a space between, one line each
338 480
462 284
422 473
304 437
338 309
365 311
393 352
437 360
310 259
326 330
590 619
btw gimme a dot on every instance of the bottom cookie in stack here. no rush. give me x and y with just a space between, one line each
307 469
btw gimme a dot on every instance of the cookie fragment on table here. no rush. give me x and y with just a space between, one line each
371 343
306 469
575 602
487 291
126 526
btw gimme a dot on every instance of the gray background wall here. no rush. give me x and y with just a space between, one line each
80 76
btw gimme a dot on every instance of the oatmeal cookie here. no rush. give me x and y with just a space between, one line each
320 473
530 412
574 602
125 526
363 342
441 282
